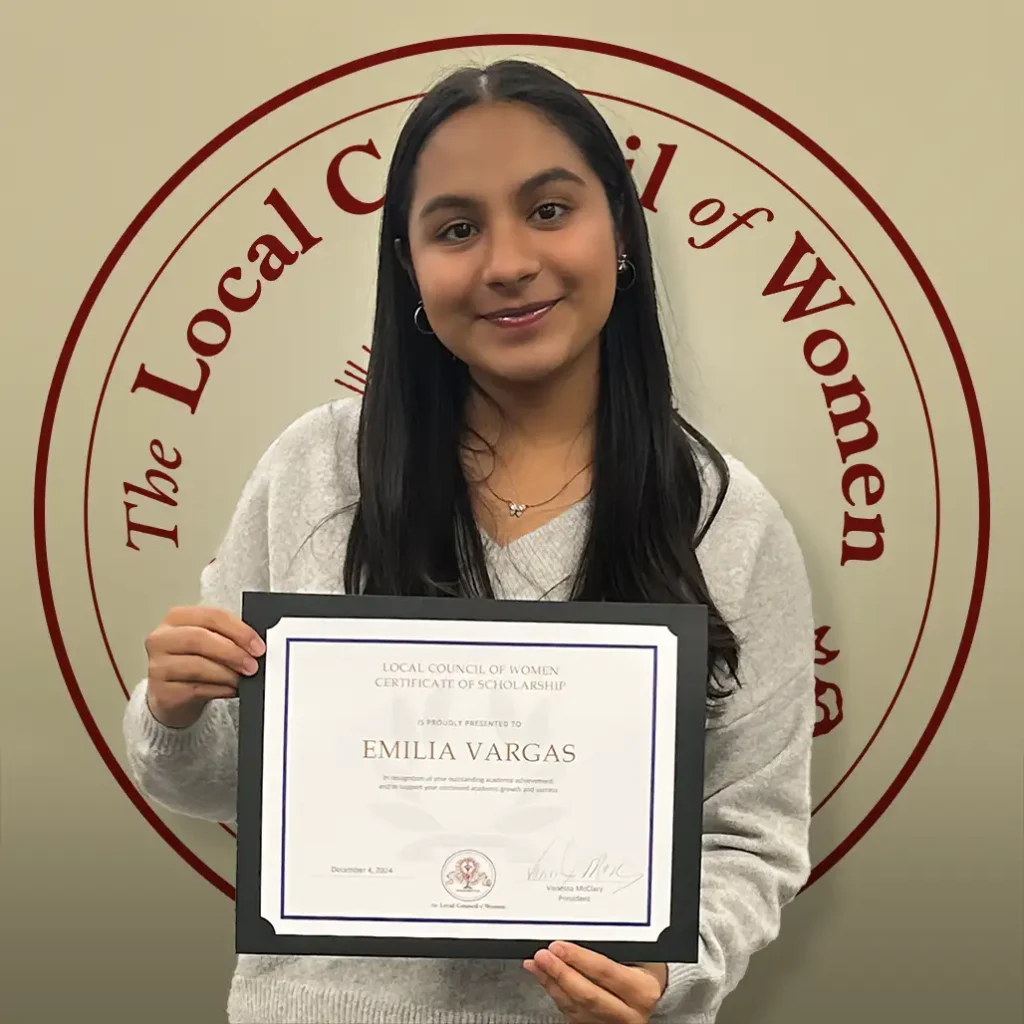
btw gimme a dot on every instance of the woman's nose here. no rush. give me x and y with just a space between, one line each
512 259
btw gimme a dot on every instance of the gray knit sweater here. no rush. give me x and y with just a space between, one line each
757 790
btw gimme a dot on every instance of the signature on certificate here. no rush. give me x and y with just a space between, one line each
561 862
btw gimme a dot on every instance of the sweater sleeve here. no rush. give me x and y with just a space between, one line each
194 770
757 801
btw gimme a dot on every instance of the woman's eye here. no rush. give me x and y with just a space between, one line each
458 232
548 212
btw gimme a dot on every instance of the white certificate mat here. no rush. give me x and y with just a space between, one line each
429 778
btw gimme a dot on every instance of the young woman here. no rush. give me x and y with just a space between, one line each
516 440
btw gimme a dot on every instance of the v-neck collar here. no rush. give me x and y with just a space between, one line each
542 558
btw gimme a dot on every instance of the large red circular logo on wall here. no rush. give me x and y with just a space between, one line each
807 337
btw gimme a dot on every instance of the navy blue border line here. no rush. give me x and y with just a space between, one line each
473 643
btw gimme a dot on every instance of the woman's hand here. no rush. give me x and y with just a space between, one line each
197 655
591 989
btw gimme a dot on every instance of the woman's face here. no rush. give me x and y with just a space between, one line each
512 242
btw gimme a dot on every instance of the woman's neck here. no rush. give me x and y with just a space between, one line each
537 450
552 415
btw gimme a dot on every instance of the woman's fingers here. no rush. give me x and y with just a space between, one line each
633 985
196 655
176 642
560 998
579 998
191 668
208 691
216 620
589 988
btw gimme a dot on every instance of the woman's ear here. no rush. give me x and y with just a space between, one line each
620 244
403 257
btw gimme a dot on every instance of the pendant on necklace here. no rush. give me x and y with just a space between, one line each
516 510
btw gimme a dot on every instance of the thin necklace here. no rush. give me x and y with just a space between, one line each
516 508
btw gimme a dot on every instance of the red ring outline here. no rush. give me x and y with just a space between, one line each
528 40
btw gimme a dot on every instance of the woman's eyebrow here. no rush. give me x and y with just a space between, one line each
451 201
552 174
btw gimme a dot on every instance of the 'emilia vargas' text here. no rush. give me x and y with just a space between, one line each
435 750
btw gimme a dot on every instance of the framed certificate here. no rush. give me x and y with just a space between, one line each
452 778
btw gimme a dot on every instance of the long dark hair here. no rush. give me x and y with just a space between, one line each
414 531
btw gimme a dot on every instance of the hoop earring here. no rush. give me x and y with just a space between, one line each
416 320
627 274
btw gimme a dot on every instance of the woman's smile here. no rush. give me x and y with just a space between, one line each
518 318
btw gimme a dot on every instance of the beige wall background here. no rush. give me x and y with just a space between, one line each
921 102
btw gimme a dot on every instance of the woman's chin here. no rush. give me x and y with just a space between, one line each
518 372
528 365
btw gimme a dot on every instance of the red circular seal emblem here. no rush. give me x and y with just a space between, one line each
808 341
468 876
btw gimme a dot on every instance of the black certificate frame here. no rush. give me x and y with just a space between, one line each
678 943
